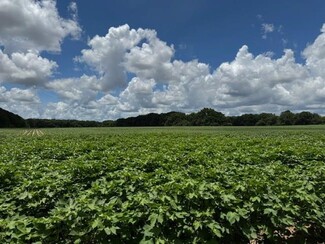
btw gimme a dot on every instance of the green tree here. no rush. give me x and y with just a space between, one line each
307 118
287 118
267 119
208 116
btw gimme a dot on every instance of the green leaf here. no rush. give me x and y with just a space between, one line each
232 217
197 225
228 197
153 219
108 231
76 233
250 232
114 229
215 228
147 230
23 195
11 225
270 211
75 242
255 199
96 223
160 218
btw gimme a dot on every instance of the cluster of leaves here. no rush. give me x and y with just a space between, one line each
163 186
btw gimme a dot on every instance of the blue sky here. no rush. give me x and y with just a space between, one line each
211 31
109 59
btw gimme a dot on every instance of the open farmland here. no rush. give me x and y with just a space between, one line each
163 185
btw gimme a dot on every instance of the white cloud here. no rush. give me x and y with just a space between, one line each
259 80
187 88
24 102
34 25
81 90
73 8
28 27
28 68
18 95
151 60
267 28
138 94
315 55
94 111
118 53
248 84
107 53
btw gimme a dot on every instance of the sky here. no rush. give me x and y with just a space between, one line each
108 59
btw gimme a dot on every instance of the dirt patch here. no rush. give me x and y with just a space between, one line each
33 132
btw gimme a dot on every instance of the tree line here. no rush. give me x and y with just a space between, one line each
11 120
210 117
205 117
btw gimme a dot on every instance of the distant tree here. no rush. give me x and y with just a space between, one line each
246 120
54 123
322 119
176 119
205 117
317 119
151 119
8 119
267 119
307 118
108 123
4 121
287 118
208 117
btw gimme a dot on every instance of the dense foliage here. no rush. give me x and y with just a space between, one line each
61 123
205 117
210 117
164 185
10 120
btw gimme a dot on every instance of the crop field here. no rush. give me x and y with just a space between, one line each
163 185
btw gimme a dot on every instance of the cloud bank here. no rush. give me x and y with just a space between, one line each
159 83
34 25
134 72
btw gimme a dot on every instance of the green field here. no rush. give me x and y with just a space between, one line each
163 185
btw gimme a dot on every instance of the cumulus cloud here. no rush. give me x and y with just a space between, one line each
315 55
95 110
259 80
106 55
28 68
136 73
27 28
249 83
18 95
124 50
81 90
138 94
33 25
151 60
24 102
187 88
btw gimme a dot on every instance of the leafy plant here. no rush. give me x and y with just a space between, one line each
201 185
